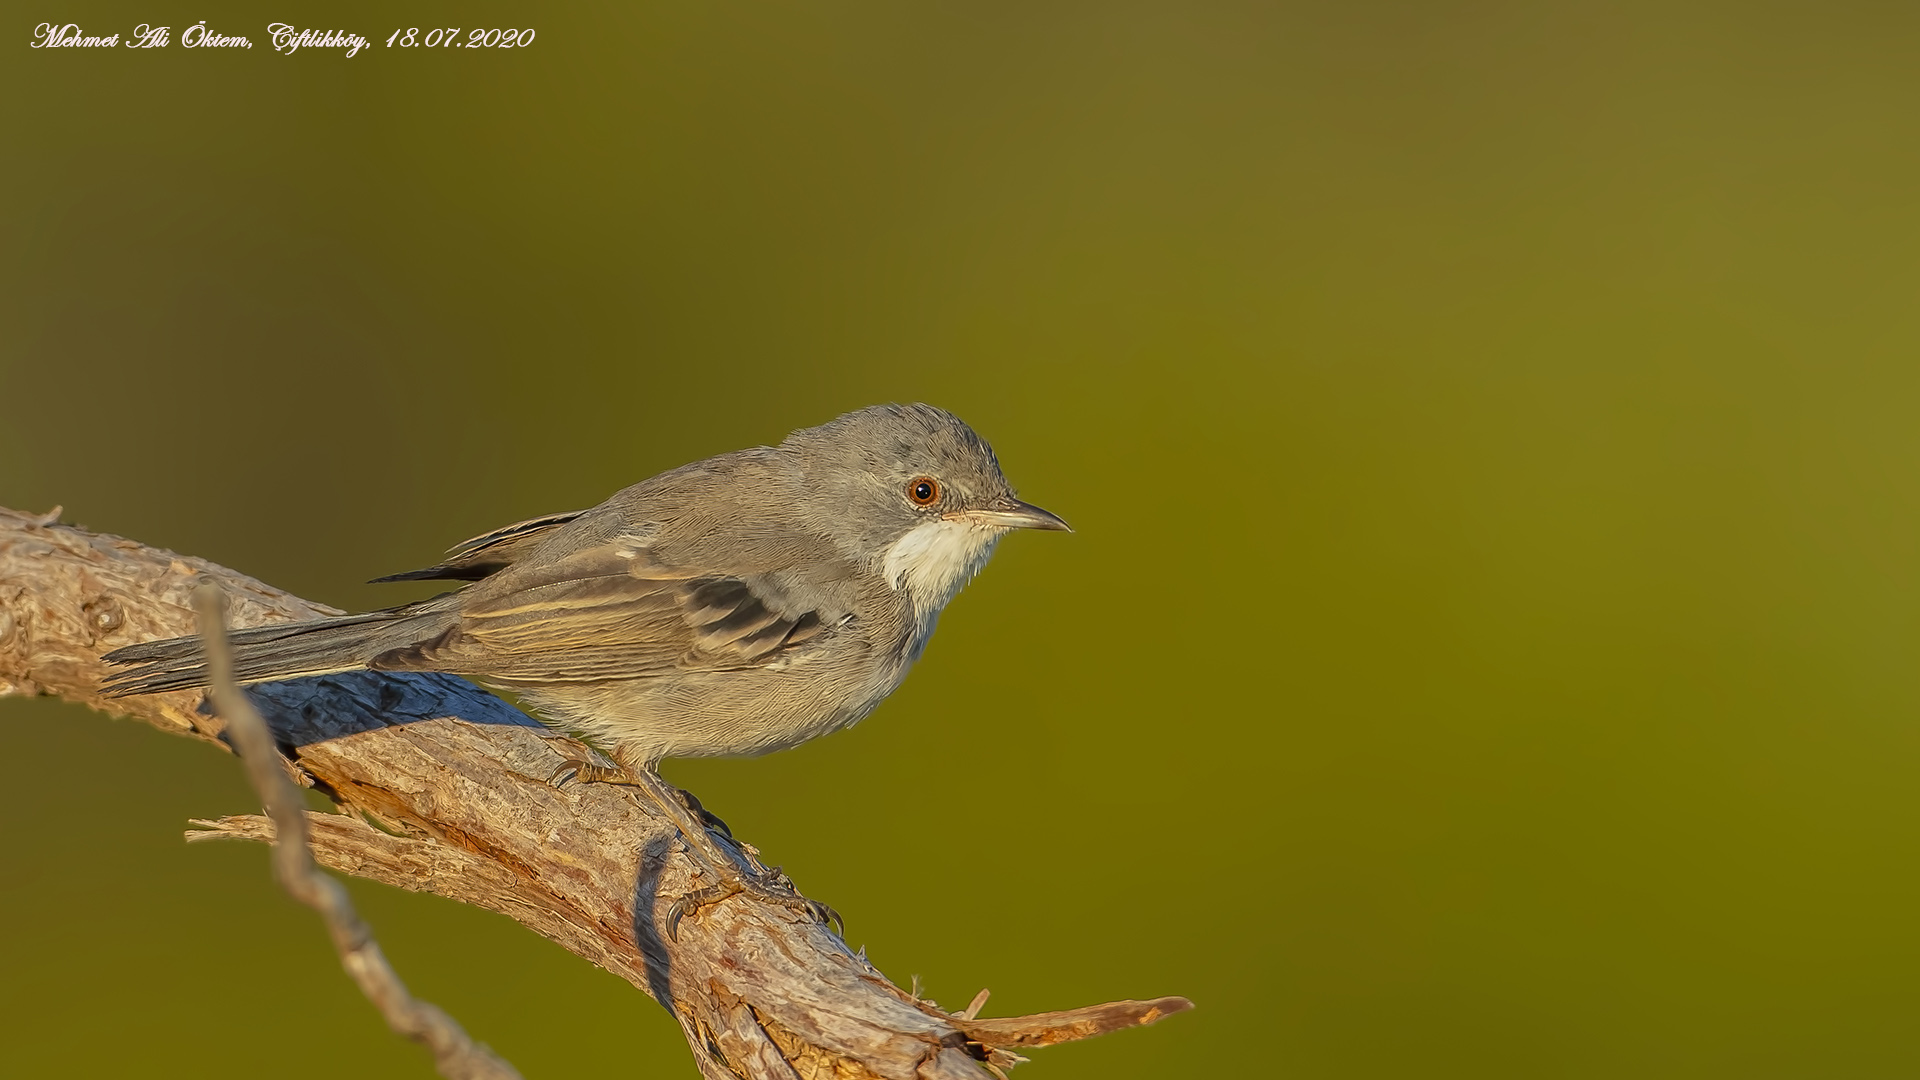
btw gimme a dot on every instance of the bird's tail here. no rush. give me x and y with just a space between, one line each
266 653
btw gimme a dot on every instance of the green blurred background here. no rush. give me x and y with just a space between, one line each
1490 428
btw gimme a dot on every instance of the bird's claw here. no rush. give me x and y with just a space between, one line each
698 899
781 893
707 817
586 772
814 909
826 915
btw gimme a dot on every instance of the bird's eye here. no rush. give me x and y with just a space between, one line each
923 490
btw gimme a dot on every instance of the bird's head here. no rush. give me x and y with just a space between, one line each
912 491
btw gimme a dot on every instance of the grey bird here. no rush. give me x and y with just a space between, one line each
730 607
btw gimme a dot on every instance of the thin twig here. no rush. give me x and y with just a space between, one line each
455 1055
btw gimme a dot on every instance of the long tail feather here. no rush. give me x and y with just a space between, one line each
267 653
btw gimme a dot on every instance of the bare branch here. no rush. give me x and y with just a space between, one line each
456 1056
457 781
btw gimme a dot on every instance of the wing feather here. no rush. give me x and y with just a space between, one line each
488 553
616 610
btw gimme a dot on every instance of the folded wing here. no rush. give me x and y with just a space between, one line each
617 611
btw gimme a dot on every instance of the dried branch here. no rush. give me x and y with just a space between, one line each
455 1055
457 780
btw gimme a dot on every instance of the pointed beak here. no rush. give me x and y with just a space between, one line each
1013 514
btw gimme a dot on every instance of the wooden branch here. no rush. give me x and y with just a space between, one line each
457 781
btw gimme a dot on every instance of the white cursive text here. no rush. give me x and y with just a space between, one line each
287 39
49 36
198 36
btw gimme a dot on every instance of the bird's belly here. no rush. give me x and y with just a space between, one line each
714 714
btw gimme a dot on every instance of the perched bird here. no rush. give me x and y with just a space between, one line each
735 606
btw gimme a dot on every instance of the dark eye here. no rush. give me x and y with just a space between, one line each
923 490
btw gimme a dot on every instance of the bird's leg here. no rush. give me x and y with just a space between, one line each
764 883
588 773
707 817
692 819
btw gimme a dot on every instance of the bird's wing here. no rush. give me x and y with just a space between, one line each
488 553
617 610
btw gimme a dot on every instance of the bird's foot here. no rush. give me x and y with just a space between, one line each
693 822
772 887
589 773
586 772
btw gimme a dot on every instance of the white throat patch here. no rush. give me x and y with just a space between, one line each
936 558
